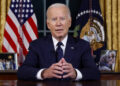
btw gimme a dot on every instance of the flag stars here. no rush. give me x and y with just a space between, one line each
20 5
23 5
22 15
16 5
24 0
18 15
22 9
26 15
96 12
92 11
28 0
27 11
88 11
16 10
84 12
17 0
81 13
28 6
19 10
31 10
12 6
78 15
21 20
31 6
13 0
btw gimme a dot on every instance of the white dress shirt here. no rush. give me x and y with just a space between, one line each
64 41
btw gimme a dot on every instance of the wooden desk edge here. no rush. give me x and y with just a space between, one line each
12 75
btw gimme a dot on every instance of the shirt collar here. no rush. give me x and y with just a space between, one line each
64 41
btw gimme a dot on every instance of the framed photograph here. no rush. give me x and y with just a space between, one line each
8 61
107 60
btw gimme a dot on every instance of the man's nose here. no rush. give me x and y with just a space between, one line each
58 23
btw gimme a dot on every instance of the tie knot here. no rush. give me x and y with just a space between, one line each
59 43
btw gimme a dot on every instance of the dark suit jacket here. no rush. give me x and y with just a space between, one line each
42 55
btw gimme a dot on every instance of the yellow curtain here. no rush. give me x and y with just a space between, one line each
111 12
4 6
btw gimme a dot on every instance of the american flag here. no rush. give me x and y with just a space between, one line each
20 28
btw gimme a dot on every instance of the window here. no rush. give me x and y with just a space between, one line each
40 7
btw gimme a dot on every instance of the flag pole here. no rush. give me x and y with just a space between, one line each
90 15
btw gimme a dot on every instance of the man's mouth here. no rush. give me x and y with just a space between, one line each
59 30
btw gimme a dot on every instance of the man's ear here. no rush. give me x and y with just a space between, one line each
47 22
70 22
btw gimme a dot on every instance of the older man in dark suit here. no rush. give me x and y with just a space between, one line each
59 56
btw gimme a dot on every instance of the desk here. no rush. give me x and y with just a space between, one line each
59 83
11 75
8 75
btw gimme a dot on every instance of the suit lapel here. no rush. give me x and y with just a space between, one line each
51 51
70 49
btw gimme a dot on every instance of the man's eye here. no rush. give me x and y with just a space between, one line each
62 18
53 19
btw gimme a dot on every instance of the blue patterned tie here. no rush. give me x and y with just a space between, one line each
59 51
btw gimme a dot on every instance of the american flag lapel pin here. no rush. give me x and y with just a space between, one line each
72 48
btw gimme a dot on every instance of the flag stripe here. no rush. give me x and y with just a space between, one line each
10 22
34 19
26 34
25 42
7 46
14 19
24 50
32 24
11 42
30 30
4 49
16 32
12 34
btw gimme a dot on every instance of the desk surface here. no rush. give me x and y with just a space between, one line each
59 83
104 76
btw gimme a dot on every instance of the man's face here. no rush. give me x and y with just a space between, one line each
58 22
111 58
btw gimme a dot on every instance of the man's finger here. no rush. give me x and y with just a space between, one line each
57 76
66 71
66 75
58 72
63 60
58 64
59 68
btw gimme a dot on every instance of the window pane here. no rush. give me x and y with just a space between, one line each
40 6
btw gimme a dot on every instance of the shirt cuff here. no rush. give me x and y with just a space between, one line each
38 76
79 75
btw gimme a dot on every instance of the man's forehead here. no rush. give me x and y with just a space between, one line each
57 12
61 8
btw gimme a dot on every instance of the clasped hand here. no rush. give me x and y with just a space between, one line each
62 69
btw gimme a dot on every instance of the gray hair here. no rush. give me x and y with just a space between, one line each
59 5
